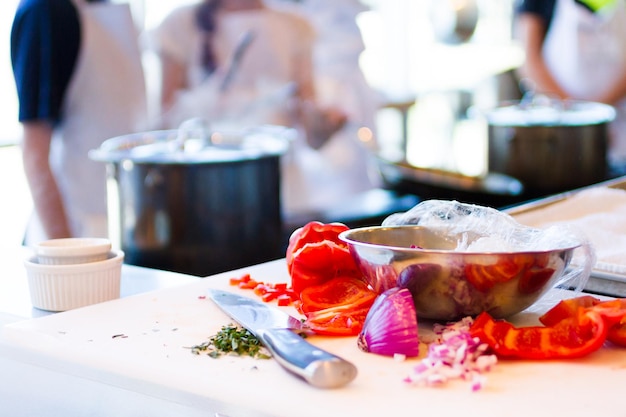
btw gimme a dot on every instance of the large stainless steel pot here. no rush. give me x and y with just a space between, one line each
197 205
550 145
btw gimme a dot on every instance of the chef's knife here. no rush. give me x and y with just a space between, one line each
274 328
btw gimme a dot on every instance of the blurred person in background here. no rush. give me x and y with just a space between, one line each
576 49
246 63
339 79
79 81
340 82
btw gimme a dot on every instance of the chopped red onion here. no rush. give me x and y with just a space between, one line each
455 354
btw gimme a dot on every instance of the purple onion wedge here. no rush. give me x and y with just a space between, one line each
390 327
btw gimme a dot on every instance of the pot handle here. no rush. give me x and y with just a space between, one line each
532 99
197 128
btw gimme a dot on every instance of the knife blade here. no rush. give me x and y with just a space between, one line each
274 328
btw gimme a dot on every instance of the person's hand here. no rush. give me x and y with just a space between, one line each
321 123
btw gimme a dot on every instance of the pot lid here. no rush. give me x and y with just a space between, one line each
551 113
172 147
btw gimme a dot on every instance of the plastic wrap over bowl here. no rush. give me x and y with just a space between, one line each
451 273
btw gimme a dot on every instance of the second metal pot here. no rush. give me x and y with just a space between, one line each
550 148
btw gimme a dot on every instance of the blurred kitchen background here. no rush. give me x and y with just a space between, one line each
436 63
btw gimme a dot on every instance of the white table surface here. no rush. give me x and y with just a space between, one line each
68 364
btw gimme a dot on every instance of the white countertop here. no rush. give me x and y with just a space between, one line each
70 364
15 301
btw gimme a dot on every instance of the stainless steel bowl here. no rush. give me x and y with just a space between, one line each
448 284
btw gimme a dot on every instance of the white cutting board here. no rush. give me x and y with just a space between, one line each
149 354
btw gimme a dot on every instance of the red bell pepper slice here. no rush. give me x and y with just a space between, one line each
332 291
567 308
310 233
338 307
341 291
613 311
337 321
316 254
534 279
617 310
573 337
485 276
617 334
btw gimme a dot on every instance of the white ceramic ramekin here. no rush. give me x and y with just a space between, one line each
74 250
65 287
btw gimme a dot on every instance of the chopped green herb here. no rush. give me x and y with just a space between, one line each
232 340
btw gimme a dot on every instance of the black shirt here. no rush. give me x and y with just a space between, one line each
45 40
543 8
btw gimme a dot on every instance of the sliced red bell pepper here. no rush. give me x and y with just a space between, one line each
310 233
617 334
573 337
485 276
341 291
318 262
567 308
613 311
534 279
337 307
316 254
332 291
337 321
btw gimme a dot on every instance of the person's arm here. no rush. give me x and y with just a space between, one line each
43 187
45 39
531 30
173 79
171 41
616 94
319 123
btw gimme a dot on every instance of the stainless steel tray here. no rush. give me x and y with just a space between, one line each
619 183
600 281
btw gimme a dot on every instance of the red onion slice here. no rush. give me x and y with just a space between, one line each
390 327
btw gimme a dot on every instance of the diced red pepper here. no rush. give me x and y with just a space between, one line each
269 295
266 291
284 300
243 278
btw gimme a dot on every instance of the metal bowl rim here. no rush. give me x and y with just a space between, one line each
345 237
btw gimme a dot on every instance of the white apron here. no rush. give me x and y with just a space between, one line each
586 53
105 98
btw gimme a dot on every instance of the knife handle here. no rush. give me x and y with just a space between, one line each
318 367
